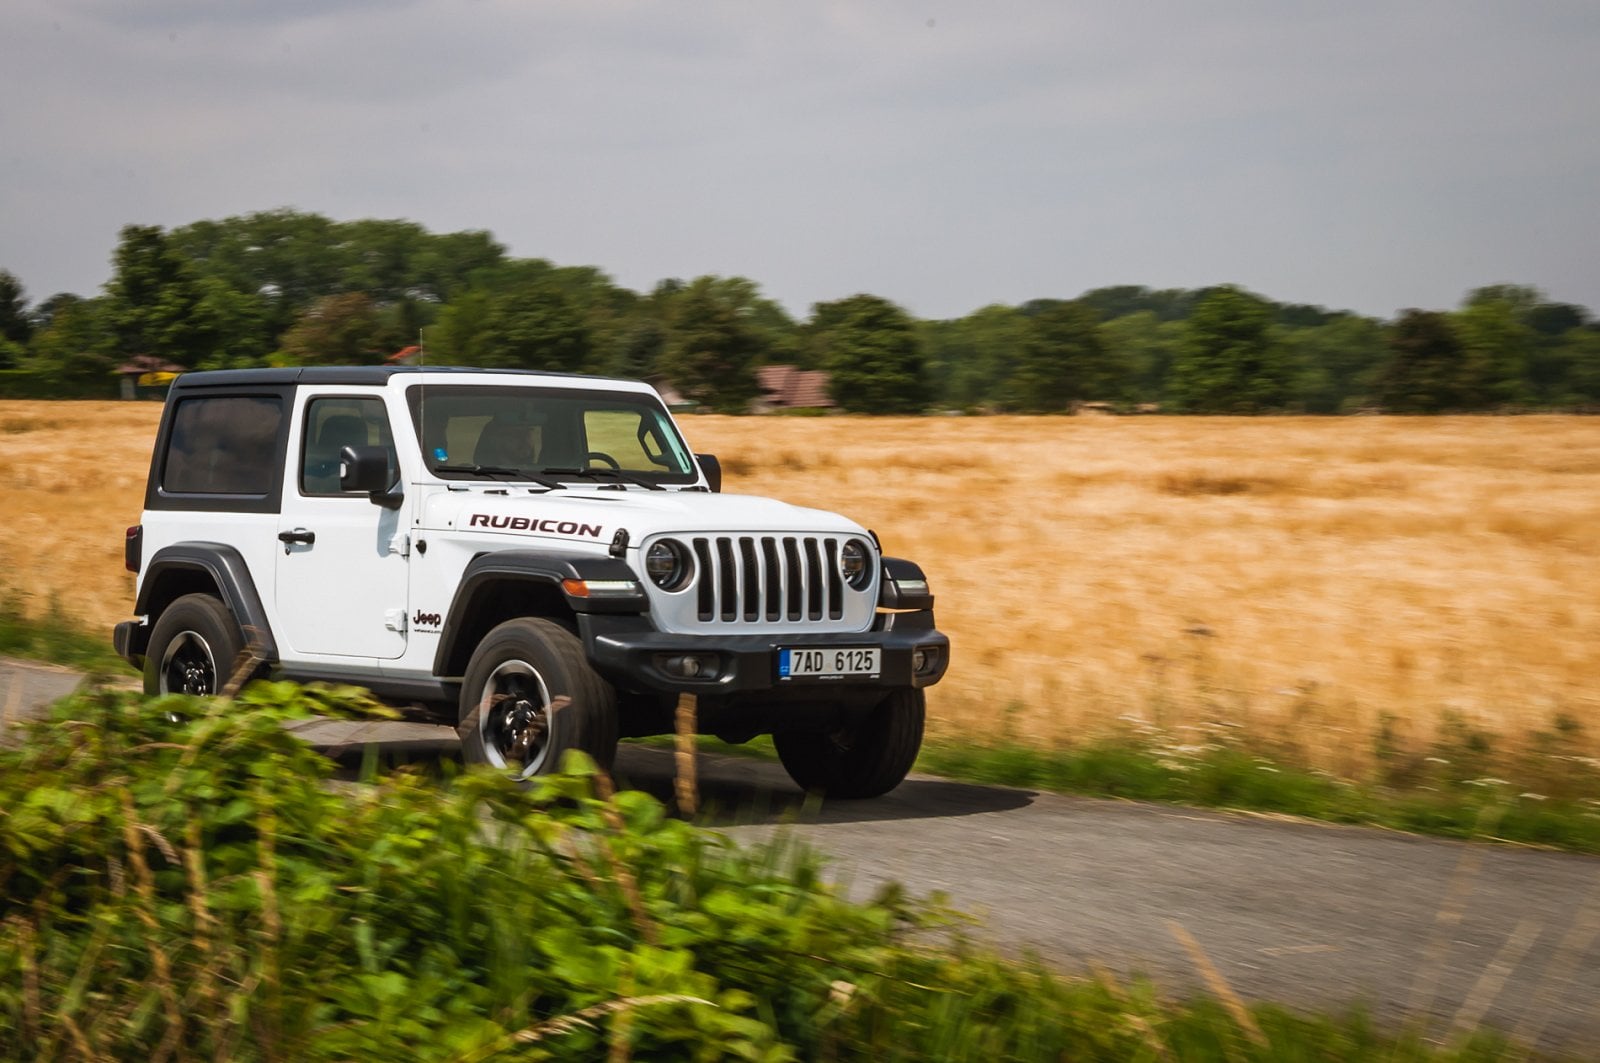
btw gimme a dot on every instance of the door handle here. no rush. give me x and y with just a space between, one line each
298 535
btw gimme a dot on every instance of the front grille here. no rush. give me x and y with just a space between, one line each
750 578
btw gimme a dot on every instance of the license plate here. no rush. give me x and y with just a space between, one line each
803 663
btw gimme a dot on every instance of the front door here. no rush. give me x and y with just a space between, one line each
341 583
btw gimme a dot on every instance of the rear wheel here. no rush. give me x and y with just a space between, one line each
193 646
529 695
867 756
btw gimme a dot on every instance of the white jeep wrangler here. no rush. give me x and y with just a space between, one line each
537 558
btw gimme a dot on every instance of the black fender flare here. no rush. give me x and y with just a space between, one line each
551 572
891 595
171 574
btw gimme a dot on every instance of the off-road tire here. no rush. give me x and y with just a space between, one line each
866 757
193 647
517 673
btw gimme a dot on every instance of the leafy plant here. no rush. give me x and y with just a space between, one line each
183 879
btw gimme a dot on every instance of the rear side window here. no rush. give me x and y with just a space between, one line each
223 445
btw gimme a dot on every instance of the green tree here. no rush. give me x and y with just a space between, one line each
1334 366
16 324
1497 347
1143 347
152 297
1426 367
1062 360
16 327
75 342
456 335
1551 364
44 311
776 333
711 350
447 262
537 327
287 257
1228 362
873 354
969 360
637 351
338 330
406 319
1582 355
379 257
945 354
1169 304
234 325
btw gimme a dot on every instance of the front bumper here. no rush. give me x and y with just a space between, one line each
629 652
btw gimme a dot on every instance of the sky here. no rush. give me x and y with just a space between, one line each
1355 154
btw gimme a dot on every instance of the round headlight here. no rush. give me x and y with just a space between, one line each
666 562
855 563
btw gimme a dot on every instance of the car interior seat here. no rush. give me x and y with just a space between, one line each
507 444
322 457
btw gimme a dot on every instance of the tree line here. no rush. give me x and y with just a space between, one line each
290 288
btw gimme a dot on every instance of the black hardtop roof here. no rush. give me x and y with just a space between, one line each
375 375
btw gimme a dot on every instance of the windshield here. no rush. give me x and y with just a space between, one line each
496 433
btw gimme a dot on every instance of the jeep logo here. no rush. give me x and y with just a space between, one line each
564 527
422 619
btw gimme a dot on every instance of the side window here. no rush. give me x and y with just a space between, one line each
332 424
223 445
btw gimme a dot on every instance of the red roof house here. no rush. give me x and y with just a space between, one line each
787 387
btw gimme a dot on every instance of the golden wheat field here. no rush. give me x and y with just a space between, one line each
1301 578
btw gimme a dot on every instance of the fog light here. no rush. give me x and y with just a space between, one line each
690 666
919 661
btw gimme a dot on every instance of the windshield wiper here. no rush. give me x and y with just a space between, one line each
501 470
605 474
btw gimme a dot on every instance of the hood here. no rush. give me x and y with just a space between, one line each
586 514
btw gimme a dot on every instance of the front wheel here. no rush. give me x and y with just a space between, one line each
529 695
193 647
868 756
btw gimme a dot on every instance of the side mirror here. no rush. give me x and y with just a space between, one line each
712 468
370 469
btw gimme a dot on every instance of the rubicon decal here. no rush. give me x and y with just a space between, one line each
533 524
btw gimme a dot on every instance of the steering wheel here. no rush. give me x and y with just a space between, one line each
602 456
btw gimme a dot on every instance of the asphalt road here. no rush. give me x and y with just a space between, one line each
1305 914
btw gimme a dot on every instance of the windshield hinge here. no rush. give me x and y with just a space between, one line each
400 544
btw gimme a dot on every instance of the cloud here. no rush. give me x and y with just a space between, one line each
937 153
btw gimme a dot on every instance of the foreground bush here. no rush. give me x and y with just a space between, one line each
181 879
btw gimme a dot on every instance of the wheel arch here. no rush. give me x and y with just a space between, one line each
205 568
507 584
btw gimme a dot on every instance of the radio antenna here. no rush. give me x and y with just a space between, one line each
422 399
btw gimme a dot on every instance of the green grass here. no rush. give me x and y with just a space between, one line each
1551 801
54 636
1547 794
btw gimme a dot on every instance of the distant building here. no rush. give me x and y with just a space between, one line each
147 376
787 387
